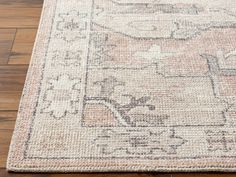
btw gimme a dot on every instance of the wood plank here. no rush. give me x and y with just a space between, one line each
7 123
13 70
23 3
9 100
210 174
5 139
12 78
7 120
13 16
6 41
12 83
22 47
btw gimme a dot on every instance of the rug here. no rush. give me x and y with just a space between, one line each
138 85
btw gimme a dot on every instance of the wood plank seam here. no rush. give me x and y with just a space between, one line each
12 44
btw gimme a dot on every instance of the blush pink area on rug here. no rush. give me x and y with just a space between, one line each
142 85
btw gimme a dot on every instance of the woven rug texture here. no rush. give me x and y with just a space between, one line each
130 85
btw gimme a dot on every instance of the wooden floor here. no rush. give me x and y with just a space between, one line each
18 26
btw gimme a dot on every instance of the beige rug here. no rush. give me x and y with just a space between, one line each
130 85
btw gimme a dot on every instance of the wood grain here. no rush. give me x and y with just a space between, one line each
6 41
13 70
12 77
22 3
20 18
7 122
20 13
9 100
22 47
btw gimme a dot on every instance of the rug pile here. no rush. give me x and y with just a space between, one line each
138 85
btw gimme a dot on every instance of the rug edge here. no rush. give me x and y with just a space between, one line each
18 122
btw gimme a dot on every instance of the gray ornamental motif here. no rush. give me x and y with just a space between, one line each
221 140
63 92
139 142
72 26
108 86
101 49
183 21
66 58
